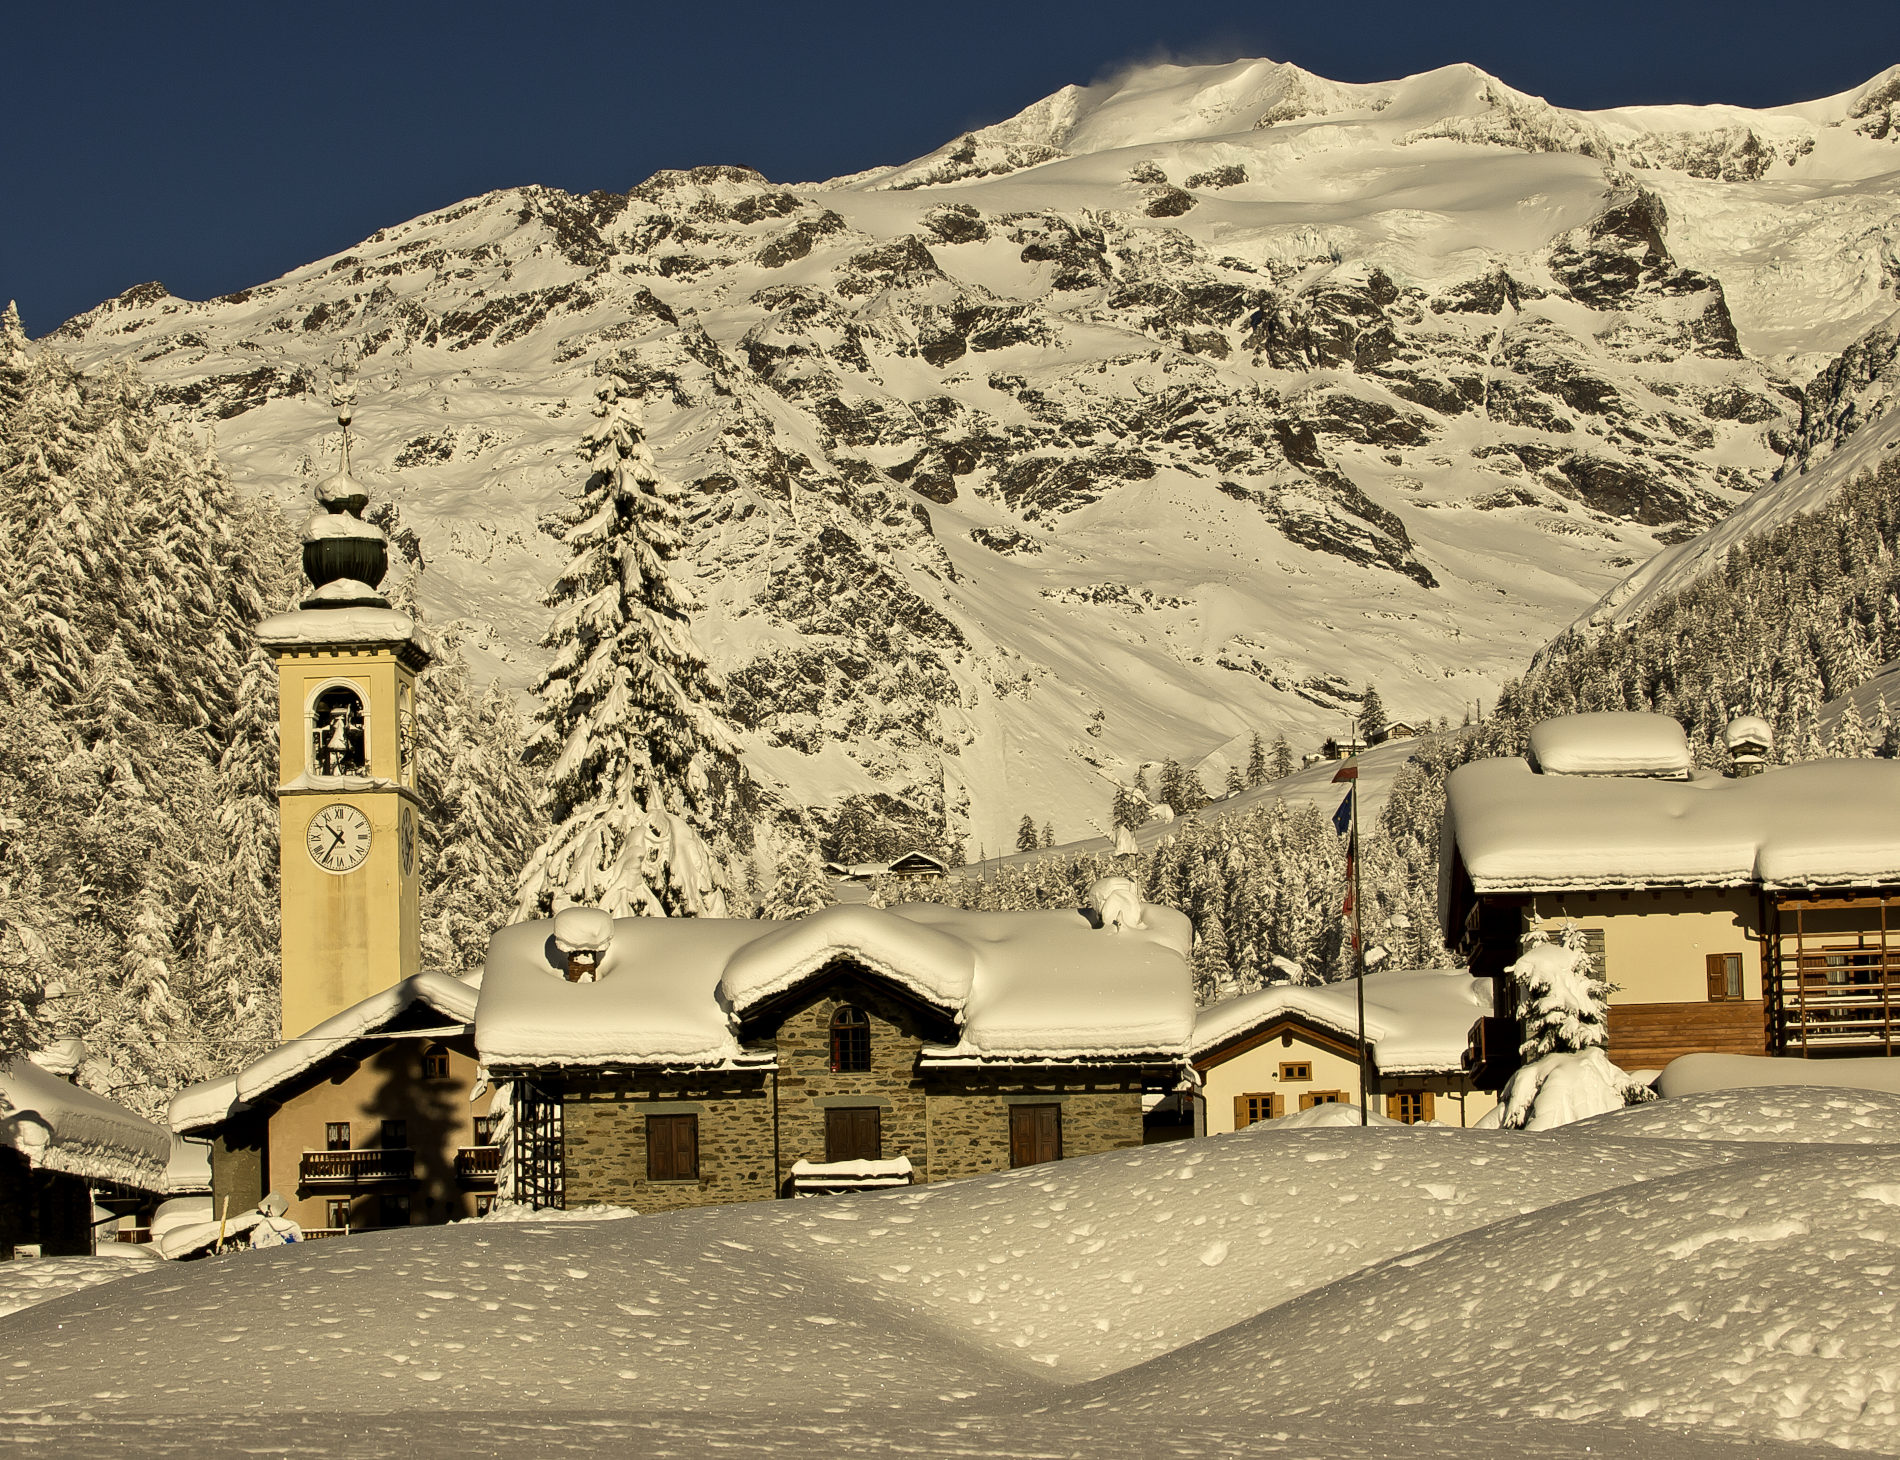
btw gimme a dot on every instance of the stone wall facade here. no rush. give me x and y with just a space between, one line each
605 1135
969 1114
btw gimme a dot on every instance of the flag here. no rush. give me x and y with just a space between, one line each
1346 773
1348 905
1342 818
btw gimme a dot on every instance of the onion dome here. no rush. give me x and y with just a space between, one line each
344 557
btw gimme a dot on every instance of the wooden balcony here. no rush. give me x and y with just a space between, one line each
477 1165
1837 999
379 1166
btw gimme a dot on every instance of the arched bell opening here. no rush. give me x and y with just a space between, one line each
339 740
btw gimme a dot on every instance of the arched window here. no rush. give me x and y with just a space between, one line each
435 1062
336 733
850 1039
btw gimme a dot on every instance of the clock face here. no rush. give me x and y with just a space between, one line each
338 839
406 841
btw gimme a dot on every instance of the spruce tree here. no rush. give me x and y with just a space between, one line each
1026 835
641 771
1048 834
1130 808
1282 761
1372 721
1257 773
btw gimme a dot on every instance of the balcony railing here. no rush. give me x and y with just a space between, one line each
478 1165
358 1168
1837 999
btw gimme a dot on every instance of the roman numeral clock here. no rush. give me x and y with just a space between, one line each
349 810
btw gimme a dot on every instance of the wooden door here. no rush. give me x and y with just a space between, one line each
854 1133
1035 1134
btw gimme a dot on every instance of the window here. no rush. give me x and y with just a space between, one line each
394 1210
1035 1134
1409 1106
1310 1098
854 1133
336 733
1725 976
435 1063
1296 1070
336 1211
850 1039
672 1148
1251 1109
485 1129
484 1205
395 1135
336 1136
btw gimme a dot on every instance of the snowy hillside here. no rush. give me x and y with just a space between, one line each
1332 1291
1172 408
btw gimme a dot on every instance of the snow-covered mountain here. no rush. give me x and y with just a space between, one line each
1172 408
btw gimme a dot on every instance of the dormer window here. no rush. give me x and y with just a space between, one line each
337 741
850 1040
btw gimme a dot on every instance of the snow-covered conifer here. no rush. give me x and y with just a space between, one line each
1281 764
1372 721
1026 835
1257 773
1565 1001
801 887
641 770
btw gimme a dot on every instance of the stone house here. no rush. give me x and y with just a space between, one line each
660 1063
1278 1051
368 1120
1748 914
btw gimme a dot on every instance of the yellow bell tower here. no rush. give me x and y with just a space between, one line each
349 813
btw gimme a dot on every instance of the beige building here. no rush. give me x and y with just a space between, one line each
660 1063
1745 915
369 1120
1276 1052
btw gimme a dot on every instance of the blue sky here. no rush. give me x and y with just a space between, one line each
214 145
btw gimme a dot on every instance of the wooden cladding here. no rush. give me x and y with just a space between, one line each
1648 1036
1035 1134
672 1148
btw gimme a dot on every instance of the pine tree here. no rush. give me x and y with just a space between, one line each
1566 1001
1213 973
1372 721
1282 763
1026 835
1236 783
1130 808
641 771
1048 834
801 887
1257 772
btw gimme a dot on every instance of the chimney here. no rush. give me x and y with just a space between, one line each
1749 742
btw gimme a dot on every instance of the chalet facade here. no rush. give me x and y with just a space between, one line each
659 1063
366 1121
1754 914
1278 1051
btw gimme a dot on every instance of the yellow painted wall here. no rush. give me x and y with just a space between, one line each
1257 1071
350 935
386 1084
1656 944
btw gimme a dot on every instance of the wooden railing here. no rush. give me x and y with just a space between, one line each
478 1165
1837 998
357 1168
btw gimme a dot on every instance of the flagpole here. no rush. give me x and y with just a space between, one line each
1359 956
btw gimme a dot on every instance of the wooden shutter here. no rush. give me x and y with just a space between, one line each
1718 975
1035 1134
1426 1111
672 1147
1394 1107
1240 1121
854 1133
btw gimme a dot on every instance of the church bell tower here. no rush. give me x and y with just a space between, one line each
349 813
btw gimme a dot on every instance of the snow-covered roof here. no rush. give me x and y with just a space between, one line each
306 628
1611 743
1417 1020
199 1107
60 1127
1019 985
1828 823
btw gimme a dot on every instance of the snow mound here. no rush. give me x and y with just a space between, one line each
1814 1116
1746 1299
1693 1074
27 1281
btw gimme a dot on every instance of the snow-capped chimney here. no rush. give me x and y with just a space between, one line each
583 933
1749 740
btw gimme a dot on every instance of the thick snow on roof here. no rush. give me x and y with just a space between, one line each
1829 823
1696 1074
363 624
1417 1021
198 1107
1611 743
1133 1304
1021 985
61 1127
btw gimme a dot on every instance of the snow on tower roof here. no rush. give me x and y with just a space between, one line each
361 624
1828 823
1417 1020
60 1127
202 1106
1020 985
1611 743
